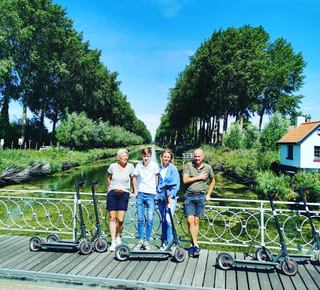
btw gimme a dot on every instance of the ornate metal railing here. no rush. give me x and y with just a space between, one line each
231 222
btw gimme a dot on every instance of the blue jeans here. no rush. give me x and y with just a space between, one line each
145 200
166 221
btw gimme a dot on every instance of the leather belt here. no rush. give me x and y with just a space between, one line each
118 191
196 193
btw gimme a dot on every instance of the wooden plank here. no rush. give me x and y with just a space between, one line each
220 279
180 271
199 272
45 262
83 263
108 269
72 264
15 258
303 280
252 275
210 269
138 270
161 268
275 279
168 273
93 264
58 267
313 269
57 262
31 260
264 278
12 248
146 274
109 256
193 272
241 274
286 281
119 269
130 267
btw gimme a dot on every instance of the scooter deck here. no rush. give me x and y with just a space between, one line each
63 245
254 263
145 253
297 256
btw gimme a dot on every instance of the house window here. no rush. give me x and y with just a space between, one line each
290 152
317 153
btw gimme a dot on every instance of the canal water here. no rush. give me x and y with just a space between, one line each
66 180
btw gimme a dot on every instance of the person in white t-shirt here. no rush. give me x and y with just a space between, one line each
148 171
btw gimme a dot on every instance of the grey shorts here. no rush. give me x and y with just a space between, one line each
194 204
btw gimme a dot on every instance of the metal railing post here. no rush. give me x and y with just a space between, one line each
75 200
262 223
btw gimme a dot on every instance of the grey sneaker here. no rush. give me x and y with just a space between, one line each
146 246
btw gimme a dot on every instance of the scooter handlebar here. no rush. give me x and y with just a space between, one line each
96 182
301 189
80 183
271 192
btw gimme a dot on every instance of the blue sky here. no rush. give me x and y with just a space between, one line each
148 42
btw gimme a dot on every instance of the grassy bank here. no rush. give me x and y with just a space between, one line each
58 158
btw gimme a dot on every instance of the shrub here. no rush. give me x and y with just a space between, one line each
79 132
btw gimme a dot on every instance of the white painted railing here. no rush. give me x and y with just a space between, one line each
226 221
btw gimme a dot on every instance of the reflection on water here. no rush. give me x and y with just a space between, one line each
65 181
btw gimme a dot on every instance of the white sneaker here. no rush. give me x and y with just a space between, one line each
118 241
139 245
163 247
147 246
113 246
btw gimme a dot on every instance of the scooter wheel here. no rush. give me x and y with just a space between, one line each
35 244
224 261
179 254
122 252
85 247
289 267
52 238
100 245
262 254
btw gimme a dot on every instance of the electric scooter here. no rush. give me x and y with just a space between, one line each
123 252
316 244
264 254
54 242
287 265
101 243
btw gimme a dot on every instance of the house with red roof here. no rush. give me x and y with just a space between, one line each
300 147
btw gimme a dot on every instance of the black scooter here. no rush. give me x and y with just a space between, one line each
316 244
100 244
123 252
54 242
287 265
264 254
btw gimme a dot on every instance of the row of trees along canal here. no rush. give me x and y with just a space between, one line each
47 67
236 73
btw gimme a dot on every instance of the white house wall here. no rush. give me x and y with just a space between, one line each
307 151
295 162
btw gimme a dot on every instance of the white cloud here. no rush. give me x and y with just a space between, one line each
170 8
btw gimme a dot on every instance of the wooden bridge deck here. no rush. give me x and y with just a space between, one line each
104 271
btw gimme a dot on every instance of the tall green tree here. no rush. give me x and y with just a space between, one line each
283 76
